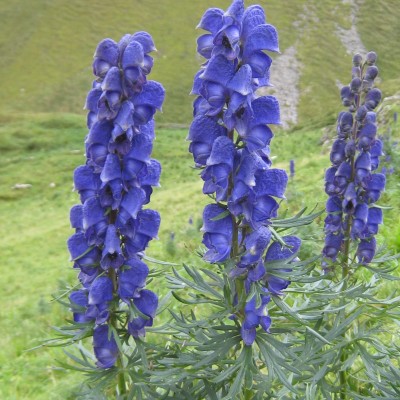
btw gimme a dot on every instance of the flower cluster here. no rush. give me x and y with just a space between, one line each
230 143
351 183
112 228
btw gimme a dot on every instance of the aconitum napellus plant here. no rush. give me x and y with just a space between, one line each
112 229
352 182
230 142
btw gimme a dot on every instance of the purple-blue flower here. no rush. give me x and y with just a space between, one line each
352 183
112 229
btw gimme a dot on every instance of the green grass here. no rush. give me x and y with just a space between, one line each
46 66
43 150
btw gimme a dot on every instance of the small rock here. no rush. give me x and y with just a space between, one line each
22 186
52 185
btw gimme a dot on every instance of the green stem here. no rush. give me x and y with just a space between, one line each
345 266
122 390
121 378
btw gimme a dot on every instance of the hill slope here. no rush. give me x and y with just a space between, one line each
46 49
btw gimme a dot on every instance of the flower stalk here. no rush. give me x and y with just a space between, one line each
230 143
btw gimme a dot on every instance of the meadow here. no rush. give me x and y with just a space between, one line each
42 129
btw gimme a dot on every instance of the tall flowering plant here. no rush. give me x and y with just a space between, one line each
355 356
233 350
112 227
230 142
352 183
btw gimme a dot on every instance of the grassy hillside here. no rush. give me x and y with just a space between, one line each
46 48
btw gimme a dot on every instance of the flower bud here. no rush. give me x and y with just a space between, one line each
371 73
361 113
371 57
355 85
356 72
347 96
357 60
373 98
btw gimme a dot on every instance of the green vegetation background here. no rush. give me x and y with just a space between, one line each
46 49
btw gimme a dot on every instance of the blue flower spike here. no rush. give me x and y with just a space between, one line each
112 228
229 139
352 184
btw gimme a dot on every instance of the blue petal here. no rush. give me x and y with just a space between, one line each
219 247
251 320
112 253
142 146
112 81
338 154
258 137
100 291
147 303
256 272
133 201
85 179
222 152
277 252
253 16
80 251
131 278
107 50
276 285
366 251
123 119
262 37
264 208
203 132
213 223
350 199
235 10
271 182
152 94
211 20
151 174
112 168
105 350
266 110
334 204
265 323
375 215
92 99
241 82
333 244
205 45
248 335
93 212
145 40
255 243
260 64
197 83
215 94
367 136
133 55
219 70
76 217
